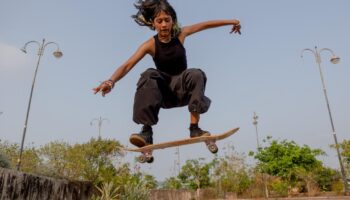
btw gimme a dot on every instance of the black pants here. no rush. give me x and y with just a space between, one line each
156 90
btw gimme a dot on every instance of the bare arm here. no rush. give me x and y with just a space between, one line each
128 65
122 70
189 30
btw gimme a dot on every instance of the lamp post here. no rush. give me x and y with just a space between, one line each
334 59
255 123
99 124
198 178
177 162
41 50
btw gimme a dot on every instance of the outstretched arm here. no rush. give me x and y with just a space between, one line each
106 86
188 30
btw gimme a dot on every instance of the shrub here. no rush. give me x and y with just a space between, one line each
135 191
107 192
280 187
4 161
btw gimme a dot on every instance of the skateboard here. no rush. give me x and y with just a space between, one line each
146 151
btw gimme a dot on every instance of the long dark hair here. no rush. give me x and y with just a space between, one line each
149 9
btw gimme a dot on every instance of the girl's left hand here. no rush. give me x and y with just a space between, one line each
236 29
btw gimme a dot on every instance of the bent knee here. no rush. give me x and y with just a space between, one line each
149 78
150 73
196 74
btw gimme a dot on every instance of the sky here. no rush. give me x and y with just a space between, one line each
259 71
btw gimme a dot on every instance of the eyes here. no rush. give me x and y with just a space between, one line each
161 20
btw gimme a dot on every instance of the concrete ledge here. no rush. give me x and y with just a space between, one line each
17 185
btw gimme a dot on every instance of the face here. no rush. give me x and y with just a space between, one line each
163 24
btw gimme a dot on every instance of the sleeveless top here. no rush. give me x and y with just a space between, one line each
170 57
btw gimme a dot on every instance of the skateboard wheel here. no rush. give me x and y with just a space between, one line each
150 159
213 148
142 159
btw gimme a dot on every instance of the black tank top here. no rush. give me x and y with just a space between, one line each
170 57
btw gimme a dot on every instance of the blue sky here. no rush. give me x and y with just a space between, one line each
259 71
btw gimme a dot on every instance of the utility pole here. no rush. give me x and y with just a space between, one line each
255 123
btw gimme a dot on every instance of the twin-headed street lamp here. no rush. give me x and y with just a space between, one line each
334 59
99 124
57 54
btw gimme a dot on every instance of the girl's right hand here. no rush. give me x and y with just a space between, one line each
236 29
105 87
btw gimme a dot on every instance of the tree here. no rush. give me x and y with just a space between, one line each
195 174
309 179
30 156
4 161
172 183
55 159
230 174
91 161
345 152
284 158
326 178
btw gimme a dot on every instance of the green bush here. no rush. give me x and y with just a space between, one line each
134 191
338 186
4 161
280 187
107 191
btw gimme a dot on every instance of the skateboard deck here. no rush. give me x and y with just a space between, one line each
146 151
163 145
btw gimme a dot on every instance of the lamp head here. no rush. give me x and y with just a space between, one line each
57 54
335 59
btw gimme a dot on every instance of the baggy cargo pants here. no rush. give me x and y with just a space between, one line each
156 90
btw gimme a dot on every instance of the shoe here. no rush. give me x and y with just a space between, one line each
198 132
143 138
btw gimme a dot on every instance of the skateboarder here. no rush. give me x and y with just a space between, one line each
171 84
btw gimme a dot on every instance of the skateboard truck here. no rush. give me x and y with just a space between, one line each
146 156
211 145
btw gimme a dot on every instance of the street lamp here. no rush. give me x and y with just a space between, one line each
177 161
255 123
41 49
100 121
334 59
198 178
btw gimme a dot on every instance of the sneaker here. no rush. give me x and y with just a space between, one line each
198 132
143 138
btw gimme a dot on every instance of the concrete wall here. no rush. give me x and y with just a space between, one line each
172 194
16 185
203 194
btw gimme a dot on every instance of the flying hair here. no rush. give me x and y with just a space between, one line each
149 9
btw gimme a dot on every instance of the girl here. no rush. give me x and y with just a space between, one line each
171 84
